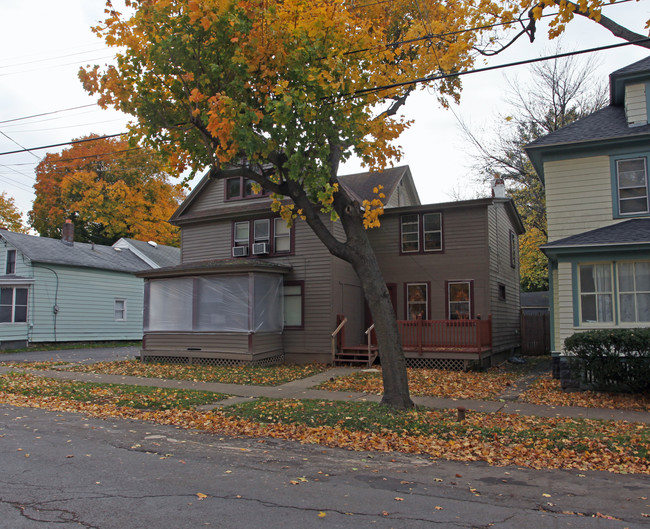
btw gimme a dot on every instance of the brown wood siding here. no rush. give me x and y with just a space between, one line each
192 344
195 341
348 298
202 242
464 257
505 314
210 198
312 264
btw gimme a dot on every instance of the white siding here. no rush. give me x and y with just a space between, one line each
635 105
578 196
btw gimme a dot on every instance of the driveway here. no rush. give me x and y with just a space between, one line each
84 356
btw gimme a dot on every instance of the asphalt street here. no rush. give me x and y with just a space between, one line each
84 356
64 470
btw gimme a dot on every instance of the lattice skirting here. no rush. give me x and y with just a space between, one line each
449 364
261 362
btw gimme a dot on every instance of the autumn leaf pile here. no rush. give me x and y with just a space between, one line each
431 383
497 439
547 390
244 374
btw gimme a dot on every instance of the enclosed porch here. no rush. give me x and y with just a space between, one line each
230 314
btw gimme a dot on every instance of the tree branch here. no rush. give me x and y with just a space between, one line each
613 27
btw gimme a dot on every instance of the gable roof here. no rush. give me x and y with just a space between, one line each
359 185
636 72
55 251
155 255
633 231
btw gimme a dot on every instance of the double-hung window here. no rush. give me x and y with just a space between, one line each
119 309
13 305
11 262
421 232
239 188
417 301
262 237
241 233
293 304
459 300
632 182
634 291
596 300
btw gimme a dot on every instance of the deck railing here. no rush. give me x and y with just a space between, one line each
432 335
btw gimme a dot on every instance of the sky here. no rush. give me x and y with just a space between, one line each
44 42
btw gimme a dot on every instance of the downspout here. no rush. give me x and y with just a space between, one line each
55 308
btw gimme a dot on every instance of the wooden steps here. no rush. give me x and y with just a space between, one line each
356 354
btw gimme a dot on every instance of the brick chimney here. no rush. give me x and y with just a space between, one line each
67 234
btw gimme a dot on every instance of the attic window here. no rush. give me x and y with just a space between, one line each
239 188
11 262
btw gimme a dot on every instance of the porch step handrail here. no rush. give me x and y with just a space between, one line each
369 335
335 334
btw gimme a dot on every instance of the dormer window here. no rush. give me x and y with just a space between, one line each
632 181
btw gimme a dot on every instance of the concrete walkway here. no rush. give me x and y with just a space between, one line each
302 389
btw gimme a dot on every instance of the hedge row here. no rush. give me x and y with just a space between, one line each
611 360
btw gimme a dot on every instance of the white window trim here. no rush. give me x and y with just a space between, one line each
618 187
13 305
115 302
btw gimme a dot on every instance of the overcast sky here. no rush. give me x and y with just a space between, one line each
44 42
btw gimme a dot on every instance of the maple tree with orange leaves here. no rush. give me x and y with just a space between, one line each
109 190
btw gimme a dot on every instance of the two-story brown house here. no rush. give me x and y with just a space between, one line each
249 288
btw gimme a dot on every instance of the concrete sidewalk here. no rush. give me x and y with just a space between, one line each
302 389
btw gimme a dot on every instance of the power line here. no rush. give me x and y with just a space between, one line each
51 58
364 91
72 142
47 113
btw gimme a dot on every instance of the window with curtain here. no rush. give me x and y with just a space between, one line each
460 302
634 291
417 301
596 302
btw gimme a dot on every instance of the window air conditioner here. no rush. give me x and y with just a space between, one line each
239 251
260 248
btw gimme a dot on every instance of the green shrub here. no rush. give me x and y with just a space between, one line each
611 360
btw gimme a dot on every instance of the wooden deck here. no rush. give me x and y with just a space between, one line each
453 339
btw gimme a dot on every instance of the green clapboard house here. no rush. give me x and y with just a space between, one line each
58 290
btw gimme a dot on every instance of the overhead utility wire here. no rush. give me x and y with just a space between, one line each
65 143
364 91
47 113
430 35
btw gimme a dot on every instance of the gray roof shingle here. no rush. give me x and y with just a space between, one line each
162 255
633 231
635 67
361 185
604 124
54 251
